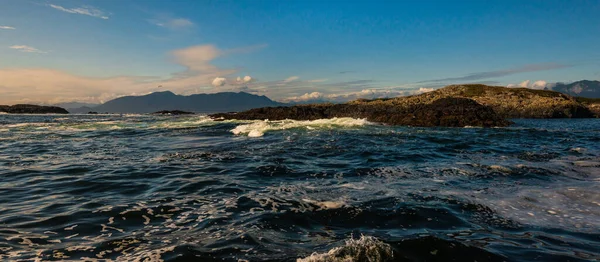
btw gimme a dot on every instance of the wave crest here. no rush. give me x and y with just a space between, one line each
366 248
258 128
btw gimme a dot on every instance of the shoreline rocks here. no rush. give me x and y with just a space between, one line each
448 112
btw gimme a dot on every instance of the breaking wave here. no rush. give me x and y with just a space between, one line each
366 248
258 128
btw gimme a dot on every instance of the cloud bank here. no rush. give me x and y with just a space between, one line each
7 27
539 84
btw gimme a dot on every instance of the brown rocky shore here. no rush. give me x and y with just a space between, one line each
32 109
451 106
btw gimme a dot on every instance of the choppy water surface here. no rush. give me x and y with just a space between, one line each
133 187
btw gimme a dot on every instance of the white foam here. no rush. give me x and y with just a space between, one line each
578 150
365 248
258 128
326 204
92 125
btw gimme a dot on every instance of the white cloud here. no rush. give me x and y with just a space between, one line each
371 93
7 27
243 80
84 10
197 58
310 96
540 84
27 49
316 80
218 81
173 23
291 79
423 90
524 83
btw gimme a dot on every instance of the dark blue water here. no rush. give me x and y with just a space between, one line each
147 187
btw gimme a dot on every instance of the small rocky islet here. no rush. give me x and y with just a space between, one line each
451 106
32 109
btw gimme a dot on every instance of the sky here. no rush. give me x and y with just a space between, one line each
91 51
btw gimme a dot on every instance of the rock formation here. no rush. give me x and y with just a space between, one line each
454 106
173 112
32 109
451 112
514 102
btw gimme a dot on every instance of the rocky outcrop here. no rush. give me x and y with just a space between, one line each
455 106
593 104
32 109
512 102
173 112
450 112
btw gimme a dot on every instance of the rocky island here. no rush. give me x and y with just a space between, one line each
32 109
173 112
451 106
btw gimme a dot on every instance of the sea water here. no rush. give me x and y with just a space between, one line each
151 188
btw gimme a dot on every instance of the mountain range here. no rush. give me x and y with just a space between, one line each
232 102
583 88
199 103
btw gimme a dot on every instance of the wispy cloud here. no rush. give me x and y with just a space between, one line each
7 27
291 79
173 23
84 10
500 73
27 49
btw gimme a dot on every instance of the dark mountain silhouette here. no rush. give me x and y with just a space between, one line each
583 88
32 109
200 103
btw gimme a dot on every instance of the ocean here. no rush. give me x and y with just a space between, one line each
152 188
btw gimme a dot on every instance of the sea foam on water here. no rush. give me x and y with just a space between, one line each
258 128
366 248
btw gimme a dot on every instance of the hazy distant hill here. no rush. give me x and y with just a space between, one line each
200 103
583 88
70 105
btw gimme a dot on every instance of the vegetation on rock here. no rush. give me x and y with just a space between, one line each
451 112
455 105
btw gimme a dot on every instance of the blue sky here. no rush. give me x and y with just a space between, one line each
92 51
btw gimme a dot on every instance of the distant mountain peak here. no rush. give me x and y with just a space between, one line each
583 88
199 103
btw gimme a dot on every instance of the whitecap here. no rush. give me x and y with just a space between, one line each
258 128
326 204
366 248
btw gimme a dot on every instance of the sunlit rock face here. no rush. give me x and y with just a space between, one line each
452 106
